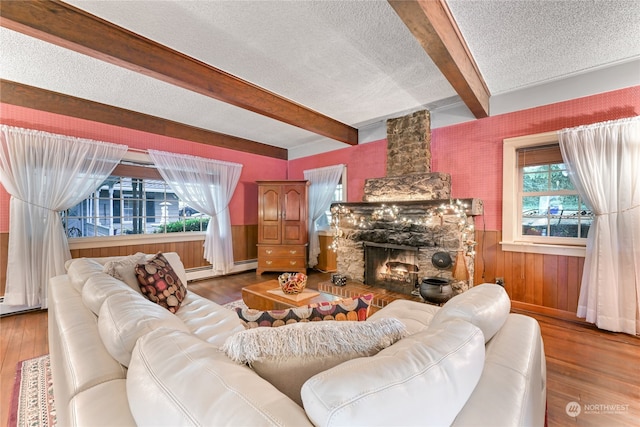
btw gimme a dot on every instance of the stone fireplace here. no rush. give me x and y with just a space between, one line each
389 239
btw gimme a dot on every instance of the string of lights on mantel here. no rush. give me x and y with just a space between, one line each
453 213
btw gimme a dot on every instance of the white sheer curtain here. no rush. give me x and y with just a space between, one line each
323 182
604 165
208 186
45 174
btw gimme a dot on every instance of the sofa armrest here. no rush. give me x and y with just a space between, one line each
512 389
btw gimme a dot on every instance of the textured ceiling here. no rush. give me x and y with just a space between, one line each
354 61
517 44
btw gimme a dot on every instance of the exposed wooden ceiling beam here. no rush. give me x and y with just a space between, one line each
69 27
433 26
39 99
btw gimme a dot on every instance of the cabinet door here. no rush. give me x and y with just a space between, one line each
269 214
294 215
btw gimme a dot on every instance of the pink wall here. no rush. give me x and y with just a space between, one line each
363 161
243 206
472 152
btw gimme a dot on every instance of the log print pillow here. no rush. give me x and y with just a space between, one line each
159 283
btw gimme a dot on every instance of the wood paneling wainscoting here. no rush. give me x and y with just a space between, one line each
190 252
546 284
4 253
245 238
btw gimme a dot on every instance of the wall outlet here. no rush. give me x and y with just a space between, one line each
500 281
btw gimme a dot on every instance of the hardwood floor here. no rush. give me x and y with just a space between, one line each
22 336
599 370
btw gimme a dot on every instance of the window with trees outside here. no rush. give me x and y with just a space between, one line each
129 205
540 204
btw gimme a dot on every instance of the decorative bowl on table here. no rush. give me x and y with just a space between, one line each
292 283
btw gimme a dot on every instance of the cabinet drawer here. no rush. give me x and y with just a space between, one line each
288 251
281 263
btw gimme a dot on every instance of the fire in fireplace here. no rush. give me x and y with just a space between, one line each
392 267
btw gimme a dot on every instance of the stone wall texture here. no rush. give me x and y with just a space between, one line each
409 144
424 186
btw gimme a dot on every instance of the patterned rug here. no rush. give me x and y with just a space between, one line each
233 304
32 400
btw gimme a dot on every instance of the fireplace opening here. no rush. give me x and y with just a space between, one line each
391 267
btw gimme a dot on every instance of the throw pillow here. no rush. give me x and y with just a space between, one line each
125 269
160 284
288 356
354 309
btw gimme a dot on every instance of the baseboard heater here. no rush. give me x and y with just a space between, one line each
198 273
6 310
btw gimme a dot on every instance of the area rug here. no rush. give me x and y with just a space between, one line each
32 398
234 304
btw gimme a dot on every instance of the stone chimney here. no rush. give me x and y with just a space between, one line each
408 164
409 144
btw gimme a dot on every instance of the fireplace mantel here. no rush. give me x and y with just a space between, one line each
474 207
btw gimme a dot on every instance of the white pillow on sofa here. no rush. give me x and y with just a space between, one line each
486 306
125 317
289 355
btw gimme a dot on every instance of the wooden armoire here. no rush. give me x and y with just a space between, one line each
282 226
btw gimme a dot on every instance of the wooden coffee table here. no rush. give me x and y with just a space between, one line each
258 297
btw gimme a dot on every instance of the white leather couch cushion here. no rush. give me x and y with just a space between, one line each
426 376
108 403
486 306
125 317
207 320
415 315
80 269
176 379
98 288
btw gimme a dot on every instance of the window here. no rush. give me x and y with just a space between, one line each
140 203
542 211
339 195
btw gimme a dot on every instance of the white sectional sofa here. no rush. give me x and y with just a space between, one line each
118 359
